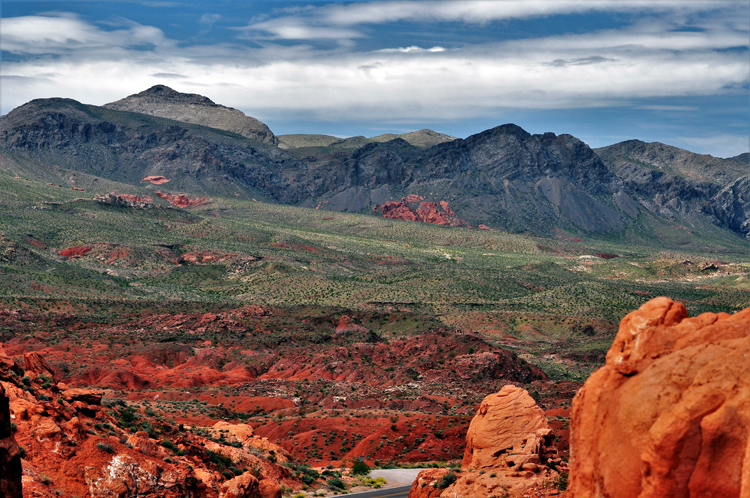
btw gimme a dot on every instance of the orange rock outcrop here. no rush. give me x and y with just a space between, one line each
426 212
156 180
668 416
181 200
509 450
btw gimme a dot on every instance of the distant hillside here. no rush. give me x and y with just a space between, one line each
503 178
421 138
164 102
674 182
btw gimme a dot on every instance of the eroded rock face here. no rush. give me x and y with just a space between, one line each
244 486
669 414
10 455
508 446
507 431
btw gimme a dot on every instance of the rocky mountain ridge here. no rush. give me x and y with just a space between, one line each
503 178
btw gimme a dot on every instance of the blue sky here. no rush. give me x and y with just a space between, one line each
604 71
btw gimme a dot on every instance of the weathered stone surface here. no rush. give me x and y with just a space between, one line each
36 365
10 455
507 444
508 430
243 486
87 396
669 414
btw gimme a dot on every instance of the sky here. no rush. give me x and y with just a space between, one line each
676 72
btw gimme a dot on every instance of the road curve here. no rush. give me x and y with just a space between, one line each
399 492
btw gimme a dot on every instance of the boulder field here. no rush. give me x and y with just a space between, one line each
668 416
74 443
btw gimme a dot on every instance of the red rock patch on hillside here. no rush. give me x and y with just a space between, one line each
129 200
76 251
156 180
181 200
426 212
668 416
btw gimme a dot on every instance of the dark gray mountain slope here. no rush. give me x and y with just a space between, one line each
679 184
503 177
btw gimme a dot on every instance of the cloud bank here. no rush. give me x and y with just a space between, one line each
277 66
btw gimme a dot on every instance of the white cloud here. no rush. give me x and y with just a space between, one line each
608 67
412 49
67 33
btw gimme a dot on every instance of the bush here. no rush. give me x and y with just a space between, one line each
335 482
360 468
105 448
561 482
169 445
447 480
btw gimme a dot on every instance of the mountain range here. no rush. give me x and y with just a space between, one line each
503 178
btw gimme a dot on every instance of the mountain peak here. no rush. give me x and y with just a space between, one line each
162 101
163 93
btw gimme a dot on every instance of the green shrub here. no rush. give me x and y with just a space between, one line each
335 482
447 480
105 447
360 468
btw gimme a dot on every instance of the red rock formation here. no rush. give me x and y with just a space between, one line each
398 210
75 252
346 326
156 180
446 208
128 200
508 445
36 365
10 454
668 416
426 485
244 486
181 200
428 212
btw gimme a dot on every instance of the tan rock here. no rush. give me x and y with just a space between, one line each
668 416
268 488
508 430
243 486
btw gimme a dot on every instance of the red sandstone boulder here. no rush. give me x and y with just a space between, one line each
668 416
86 396
36 365
428 212
508 430
268 488
507 446
427 484
243 486
398 210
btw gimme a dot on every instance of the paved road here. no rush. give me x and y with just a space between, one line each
400 492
